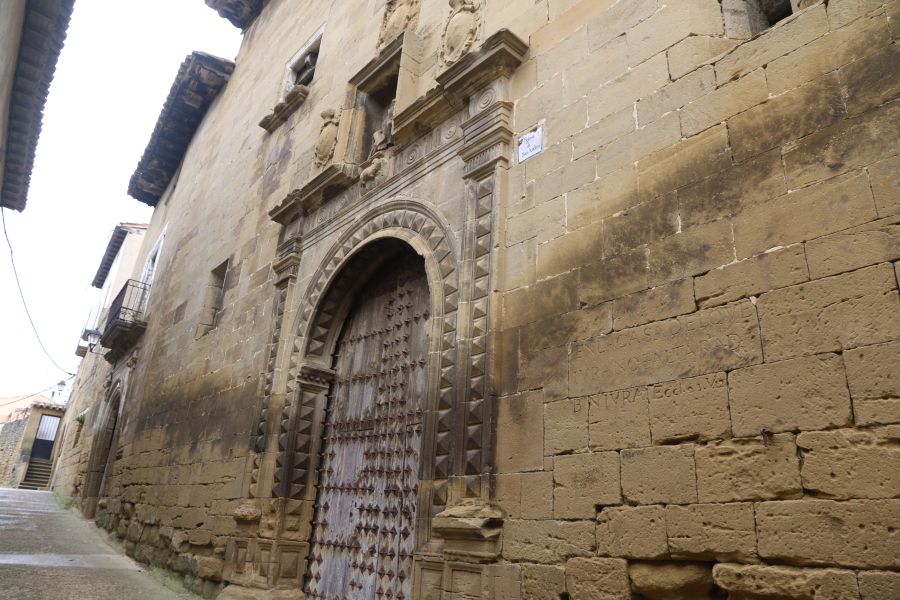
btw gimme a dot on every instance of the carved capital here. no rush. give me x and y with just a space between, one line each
286 266
487 140
315 378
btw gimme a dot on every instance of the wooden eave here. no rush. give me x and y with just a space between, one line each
43 33
200 79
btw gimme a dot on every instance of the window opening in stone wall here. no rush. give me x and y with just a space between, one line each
214 300
301 69
747 18
378 104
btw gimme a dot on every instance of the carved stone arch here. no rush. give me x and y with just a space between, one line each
357 254
405 220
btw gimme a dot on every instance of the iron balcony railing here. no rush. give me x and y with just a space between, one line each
129 305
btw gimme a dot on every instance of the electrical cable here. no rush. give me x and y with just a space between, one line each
49 387
22 295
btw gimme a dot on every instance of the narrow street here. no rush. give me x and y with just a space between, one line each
47 552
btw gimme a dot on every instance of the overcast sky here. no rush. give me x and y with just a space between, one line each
119 61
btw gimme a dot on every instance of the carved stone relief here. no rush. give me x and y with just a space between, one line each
461 30
399 15
327 138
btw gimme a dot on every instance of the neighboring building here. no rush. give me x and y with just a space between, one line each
13 407
522 299
87 410
27 444
31 37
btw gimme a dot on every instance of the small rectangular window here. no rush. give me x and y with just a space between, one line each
301 69
214 300
747 18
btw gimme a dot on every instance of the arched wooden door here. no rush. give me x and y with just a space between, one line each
364 527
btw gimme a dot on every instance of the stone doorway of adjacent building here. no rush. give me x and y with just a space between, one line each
99 461
364 532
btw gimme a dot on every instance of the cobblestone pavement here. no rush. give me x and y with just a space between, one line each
48 552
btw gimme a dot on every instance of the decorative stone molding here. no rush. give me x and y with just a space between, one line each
293 99
497 58
461 29
335 176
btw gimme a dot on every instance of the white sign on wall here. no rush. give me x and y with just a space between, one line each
531 143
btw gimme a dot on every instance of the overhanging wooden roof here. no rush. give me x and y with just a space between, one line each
200 79
112 250
240 12
43 33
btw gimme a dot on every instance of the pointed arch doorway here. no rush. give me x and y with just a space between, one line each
364 529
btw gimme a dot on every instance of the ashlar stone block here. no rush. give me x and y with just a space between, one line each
835 313
618 420
703 342
856 533
748 469
849 463
874 383
758 581
543 582
690 409
547 541
632 532
582 482
659 475
879 585
712 531
671 581
797 394
598 579
565 426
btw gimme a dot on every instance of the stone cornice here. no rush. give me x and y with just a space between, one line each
241 13
335 175
199 80
43 33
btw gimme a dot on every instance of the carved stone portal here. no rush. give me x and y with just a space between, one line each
327 138
461 29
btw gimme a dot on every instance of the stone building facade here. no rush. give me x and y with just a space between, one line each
532 299
88 411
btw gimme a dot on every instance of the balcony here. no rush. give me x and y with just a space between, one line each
125 320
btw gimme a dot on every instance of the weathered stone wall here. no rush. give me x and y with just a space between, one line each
701 308
696 324
10 444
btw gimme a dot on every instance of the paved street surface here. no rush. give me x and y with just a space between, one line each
47 552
